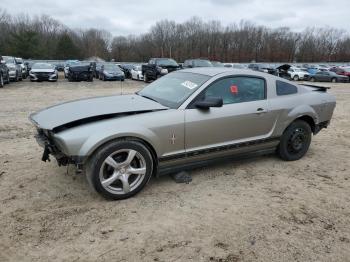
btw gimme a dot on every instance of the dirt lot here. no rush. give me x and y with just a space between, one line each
260 209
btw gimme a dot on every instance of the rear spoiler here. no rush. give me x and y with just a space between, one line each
318 88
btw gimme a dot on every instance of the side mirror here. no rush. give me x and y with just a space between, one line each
209 102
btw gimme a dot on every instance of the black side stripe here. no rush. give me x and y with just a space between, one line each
217 149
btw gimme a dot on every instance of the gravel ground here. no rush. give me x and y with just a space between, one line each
259 209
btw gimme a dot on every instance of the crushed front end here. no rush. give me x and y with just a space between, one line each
45 140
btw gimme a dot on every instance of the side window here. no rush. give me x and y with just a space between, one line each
237 89
283 88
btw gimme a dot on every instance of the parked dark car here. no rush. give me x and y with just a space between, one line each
43 72
345 71
80 72
126 68
270 69
4 73
96 66
59 67
111 72
328 76
158 67
192 63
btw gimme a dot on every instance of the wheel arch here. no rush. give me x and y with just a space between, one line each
139 139
308 119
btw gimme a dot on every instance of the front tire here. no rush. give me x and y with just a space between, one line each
120 169
334 80
312 79
295 141
296 78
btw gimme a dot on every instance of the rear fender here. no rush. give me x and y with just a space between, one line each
295 113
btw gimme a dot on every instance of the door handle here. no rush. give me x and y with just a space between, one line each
261 110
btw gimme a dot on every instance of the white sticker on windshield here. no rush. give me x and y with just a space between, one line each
189 84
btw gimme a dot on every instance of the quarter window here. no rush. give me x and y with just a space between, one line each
283 88
237 89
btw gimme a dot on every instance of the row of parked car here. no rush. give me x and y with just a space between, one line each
305 72
15 69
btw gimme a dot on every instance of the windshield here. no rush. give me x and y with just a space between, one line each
202 63
173 89
166 62
43 66
8 59
113 68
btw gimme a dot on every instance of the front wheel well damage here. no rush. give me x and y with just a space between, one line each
131 138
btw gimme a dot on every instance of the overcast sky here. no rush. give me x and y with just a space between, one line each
133 17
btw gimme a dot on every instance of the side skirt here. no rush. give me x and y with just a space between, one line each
190 160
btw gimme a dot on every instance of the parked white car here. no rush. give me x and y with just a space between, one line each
298 74
136 72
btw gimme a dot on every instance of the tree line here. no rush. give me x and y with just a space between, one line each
42 37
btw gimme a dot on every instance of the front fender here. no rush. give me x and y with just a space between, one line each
96 140
82 141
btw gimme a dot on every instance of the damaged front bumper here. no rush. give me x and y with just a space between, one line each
46 142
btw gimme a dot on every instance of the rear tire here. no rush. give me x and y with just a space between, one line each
295 141
119 169
312 79
334 80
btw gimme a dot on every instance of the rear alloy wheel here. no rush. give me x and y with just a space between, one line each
295 141
145 78
120 169
1 81
296 78
334 80
312 79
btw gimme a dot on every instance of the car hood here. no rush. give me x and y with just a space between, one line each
82 111
42 71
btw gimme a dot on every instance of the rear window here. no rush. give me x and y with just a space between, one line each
283 88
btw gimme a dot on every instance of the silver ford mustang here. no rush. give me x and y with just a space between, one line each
182 120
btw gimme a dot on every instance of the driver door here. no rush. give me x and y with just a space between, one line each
244 115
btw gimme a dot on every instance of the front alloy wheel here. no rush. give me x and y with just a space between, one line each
120 169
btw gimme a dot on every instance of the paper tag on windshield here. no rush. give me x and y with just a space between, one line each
189 84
